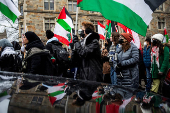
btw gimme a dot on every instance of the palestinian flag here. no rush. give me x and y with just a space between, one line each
56 93
166 35
8 8
110 27
63 27
4 95
101 30
134 14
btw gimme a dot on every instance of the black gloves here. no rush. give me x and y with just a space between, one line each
75 39
118 67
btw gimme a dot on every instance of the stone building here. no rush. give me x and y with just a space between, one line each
41 15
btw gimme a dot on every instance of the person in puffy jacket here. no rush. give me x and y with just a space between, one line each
127 62
8 57
159 61
147 62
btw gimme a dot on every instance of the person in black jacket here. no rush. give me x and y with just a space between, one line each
53 41
8 57
89 54
35 61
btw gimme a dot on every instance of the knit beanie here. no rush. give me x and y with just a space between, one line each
49 34
31 36
5 43
159 37
127 36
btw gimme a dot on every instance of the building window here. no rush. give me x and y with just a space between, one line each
49 24
161 23
21 10
48 4
72 6
160 8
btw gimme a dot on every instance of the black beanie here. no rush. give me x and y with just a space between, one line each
31 36
49 34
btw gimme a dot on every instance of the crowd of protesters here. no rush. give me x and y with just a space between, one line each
116 61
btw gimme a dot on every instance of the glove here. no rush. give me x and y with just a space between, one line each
75 39
119 65
118 69
160 74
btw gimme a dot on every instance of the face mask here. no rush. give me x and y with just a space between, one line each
121 41
145 43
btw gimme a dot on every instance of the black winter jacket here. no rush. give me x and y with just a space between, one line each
36 58
90 58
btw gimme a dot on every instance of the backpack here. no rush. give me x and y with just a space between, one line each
51 68
60 54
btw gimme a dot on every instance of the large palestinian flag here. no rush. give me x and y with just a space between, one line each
8 8
64 27
134 14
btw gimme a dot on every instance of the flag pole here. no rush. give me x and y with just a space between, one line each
76 20
105 38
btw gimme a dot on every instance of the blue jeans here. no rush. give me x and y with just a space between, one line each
113 76
149 79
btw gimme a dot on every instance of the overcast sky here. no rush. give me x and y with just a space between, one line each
9 29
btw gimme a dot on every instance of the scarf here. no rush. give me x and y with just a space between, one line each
155 52
8 51
84 42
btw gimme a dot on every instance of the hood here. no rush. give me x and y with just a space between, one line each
16 45
52 39
34 51
36 43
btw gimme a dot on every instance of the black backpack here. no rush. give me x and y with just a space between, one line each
51 68
60 54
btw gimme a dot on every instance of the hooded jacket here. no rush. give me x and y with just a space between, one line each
35 61
8 57
50 42
90 58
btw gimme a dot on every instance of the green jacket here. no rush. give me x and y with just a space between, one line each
163 62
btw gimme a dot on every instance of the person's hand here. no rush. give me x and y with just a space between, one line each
160 74
75 39
118 68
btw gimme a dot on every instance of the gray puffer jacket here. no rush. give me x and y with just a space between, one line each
130 71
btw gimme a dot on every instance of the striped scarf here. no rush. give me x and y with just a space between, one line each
155 52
